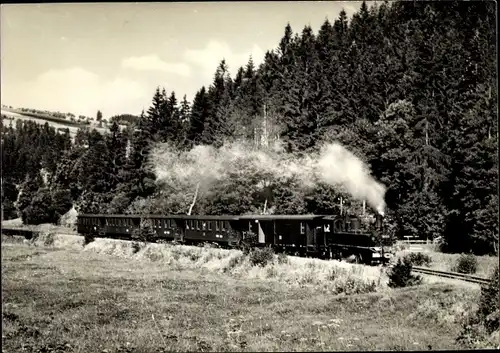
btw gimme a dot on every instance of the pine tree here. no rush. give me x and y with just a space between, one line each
216 127
199 114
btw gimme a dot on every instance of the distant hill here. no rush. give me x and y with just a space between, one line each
49 116
126 119
58 124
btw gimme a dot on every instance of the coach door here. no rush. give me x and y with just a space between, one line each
309 233
319 235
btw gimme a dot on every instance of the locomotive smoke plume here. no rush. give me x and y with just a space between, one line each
205 166
338 166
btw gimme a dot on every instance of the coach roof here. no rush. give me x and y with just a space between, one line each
276 217
173 216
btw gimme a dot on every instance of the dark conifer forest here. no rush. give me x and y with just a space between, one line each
409 87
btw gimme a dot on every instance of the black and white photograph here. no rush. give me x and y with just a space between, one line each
249 176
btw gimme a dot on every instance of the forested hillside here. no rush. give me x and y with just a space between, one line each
409 87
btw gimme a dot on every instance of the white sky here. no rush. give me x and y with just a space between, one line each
83 57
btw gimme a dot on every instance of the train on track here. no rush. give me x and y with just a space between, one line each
327 237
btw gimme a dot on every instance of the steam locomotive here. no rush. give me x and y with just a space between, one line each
327 237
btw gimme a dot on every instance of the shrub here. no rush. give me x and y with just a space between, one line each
88 238
478 328
49 239
466 263
400 275
282 258
261 256
46 206
489 309
136 246
419 259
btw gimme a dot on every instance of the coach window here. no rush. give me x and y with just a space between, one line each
224 225
204 225
216 225
209 225
302 228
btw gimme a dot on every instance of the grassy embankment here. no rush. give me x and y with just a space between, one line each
446 262
104 296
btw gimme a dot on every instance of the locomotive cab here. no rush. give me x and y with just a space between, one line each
384 243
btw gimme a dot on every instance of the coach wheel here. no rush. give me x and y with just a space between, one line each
359 259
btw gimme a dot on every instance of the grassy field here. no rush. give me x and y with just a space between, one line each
106 298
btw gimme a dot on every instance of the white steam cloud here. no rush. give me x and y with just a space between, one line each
206 166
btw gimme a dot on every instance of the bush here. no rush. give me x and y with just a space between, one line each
419 259
466 263
282 258
88 238
136 247
479 328
489 309
261 256
400 275
47 206
49 239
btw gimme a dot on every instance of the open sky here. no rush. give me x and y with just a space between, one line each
83 57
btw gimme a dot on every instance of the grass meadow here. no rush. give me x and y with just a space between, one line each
58 295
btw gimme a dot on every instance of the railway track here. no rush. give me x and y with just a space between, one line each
453 275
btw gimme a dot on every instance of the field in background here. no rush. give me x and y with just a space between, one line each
89 301
56 125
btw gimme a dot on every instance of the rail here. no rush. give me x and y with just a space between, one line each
453 275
